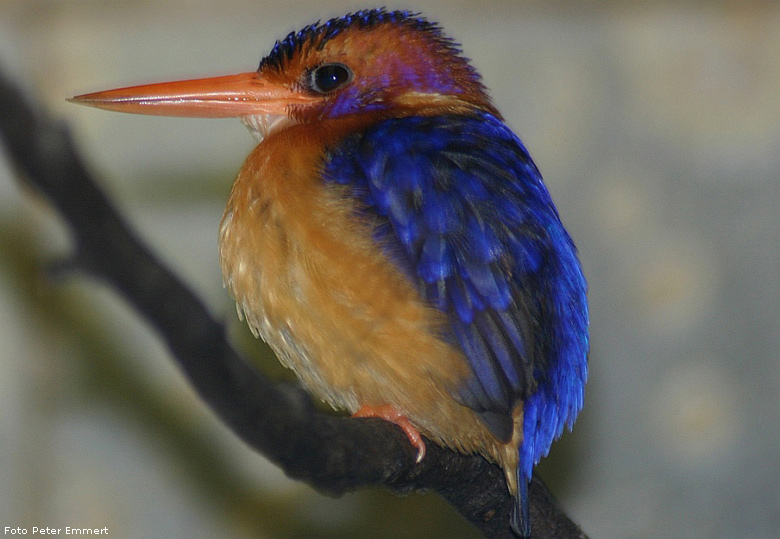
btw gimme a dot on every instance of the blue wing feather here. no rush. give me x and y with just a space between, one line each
462 209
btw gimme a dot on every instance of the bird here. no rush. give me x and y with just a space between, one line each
392 240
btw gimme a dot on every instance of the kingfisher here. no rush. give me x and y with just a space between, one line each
392 240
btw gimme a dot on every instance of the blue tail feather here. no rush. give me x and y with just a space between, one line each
520 518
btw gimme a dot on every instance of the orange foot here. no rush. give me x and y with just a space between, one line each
390 413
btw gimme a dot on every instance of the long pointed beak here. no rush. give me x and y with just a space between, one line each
245 94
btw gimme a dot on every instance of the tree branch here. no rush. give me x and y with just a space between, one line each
333 454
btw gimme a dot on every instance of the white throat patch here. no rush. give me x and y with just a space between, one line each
262 125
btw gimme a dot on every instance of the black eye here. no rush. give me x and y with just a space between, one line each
329 77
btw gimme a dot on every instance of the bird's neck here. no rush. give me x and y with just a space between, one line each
398 105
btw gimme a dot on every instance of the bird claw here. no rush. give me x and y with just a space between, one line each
390 413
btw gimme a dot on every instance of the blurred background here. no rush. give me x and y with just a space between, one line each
657 128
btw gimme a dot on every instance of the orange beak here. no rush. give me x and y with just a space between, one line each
245 94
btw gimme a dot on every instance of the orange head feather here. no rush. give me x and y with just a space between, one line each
386 64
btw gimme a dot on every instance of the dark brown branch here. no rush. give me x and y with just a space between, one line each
333 454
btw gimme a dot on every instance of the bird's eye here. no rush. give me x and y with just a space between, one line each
329 77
